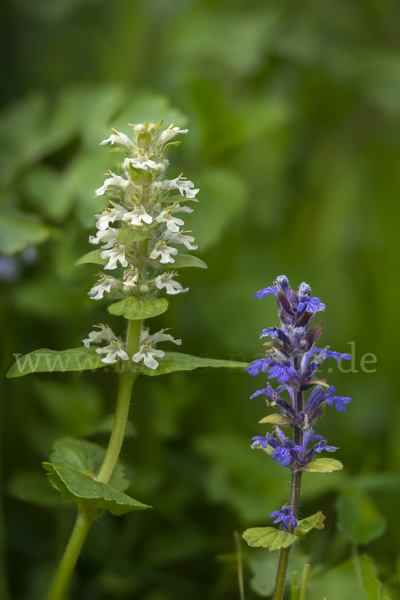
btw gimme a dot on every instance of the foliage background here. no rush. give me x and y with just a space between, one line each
294 117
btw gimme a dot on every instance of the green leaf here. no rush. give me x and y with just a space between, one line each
52 361
135 309
358 518
268 537
77 487
18 230
33 487
313 522
128 235
187 260
86 457
92 257
176 361
323 465
276 419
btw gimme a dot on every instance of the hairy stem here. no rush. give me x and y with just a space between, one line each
294 504
303 585
66 568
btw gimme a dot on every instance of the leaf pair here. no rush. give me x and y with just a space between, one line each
275 539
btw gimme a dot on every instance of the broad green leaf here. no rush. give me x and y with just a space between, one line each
52 361
33 487
176 361
358 518
135 309
187 260
268 537
313 522
276 419
77 487
128 235
86 457
323 465
92 257
18 230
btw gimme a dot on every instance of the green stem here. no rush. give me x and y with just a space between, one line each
303 584
66 568
294 504
239 561
126 381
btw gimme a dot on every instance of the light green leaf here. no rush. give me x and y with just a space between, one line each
77 487
86 457
135 309
276 419
323 465
176 361
92 257
18 230
187 260
313 522
268 537
51 361
128 235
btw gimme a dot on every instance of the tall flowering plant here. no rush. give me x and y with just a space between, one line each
293 359
139 234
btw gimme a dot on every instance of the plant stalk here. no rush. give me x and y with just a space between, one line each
66 568
294 503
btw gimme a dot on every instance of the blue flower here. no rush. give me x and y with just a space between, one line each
285 450
282 370
340 401
271 331
256 365
285 515
326 353
320 446
311 305
272 289
275 397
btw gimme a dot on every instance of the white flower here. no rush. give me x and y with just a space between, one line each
105 284
118 138
105 333
125 184
116 254
146 353
142 161
137 215
165 281
109 215
173 223
131 277
108 236
169 133
160 336
183 185
111 351
166 252
155 189
180 237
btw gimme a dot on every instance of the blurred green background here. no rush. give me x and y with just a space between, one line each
294 116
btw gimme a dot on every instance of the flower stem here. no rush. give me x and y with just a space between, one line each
66 568
294 504
126 381
303 585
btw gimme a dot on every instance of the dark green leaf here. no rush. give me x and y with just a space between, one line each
358 519
268 537
86 457
323 465
313 522
51 361
33 487
187 260
176 361
92 257
77 487
135 309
